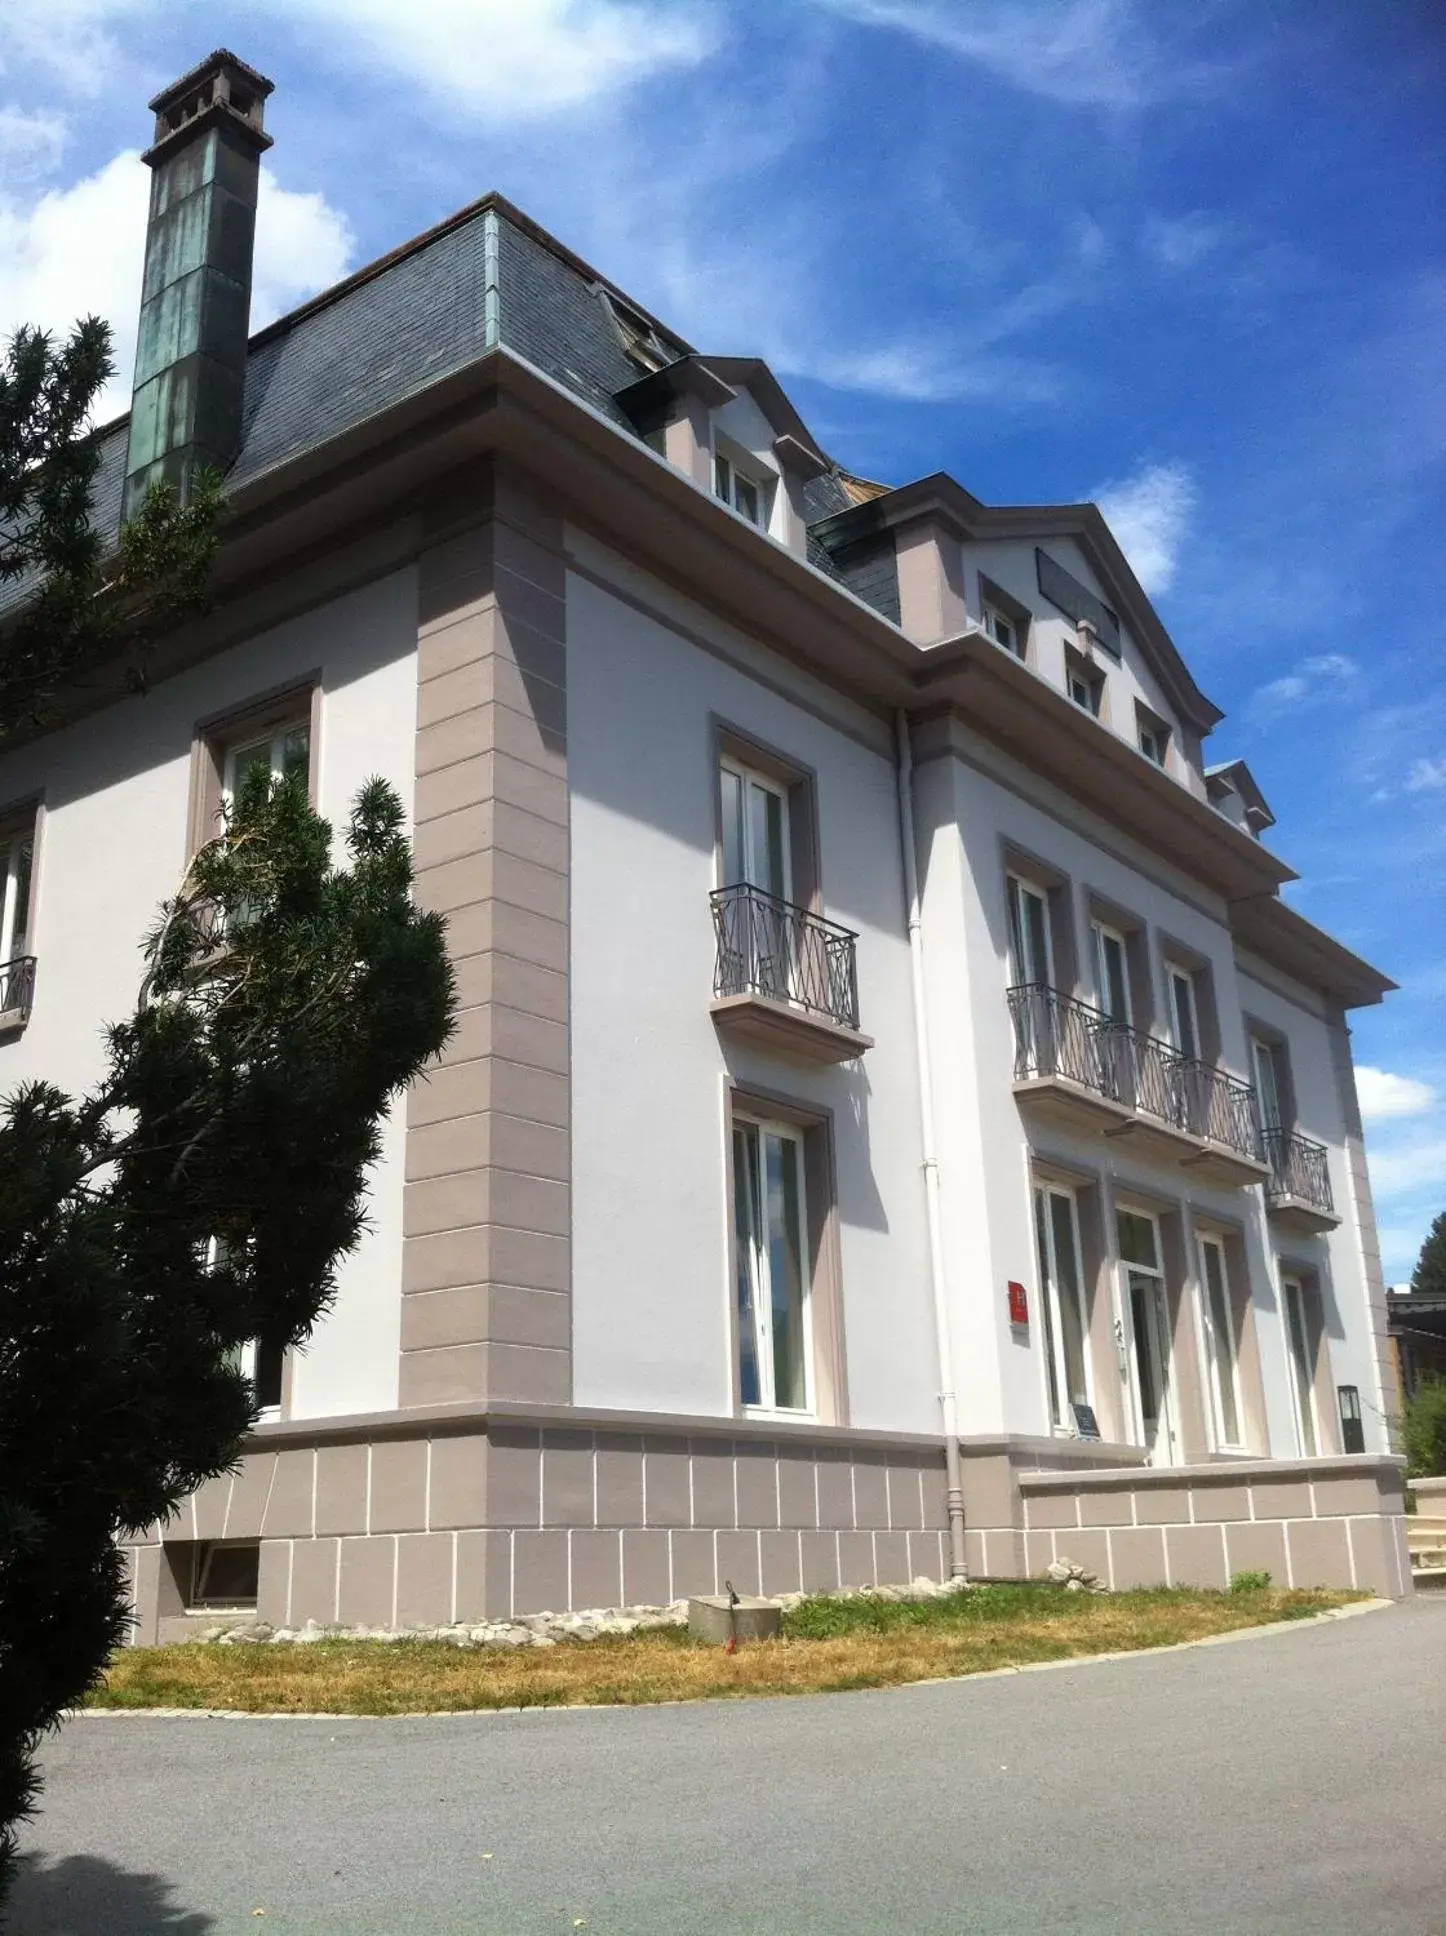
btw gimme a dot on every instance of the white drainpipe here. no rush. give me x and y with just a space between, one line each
948 1406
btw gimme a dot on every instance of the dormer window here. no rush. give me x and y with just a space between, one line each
745 492
1084 683
1002 629
1154 737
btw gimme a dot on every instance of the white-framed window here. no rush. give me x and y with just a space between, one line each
1148 1343
1003 630
1062 1302
1031 955
17 854
748 493
756 848
1112 974
1300 1350
1220 1348
260 1363
1184 1010
1154 739
1265 1057
772 1290
282 751
1085 688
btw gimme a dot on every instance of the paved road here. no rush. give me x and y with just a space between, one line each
1294 1782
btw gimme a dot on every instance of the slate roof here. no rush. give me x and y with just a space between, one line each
418 315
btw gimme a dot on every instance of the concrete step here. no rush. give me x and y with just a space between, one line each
1429 1579
1428 1556
1426 1523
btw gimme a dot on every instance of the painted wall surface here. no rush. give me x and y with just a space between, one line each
116 791
1335 1256
968 819
651 1290
1010 563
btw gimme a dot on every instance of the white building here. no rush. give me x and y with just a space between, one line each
732 1167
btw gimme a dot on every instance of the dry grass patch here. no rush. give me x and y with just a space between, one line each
828 1645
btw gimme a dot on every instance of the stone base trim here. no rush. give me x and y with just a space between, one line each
501 1518
1333 1522
470 1517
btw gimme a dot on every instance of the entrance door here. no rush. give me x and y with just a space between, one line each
1148 1350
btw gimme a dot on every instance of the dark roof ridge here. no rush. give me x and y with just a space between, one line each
491 203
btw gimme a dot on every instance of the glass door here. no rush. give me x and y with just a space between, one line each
1267 1084
1220 1345
1112 986
774 1340
1302 1365
1066 1346
759 924
16 858
1149 1352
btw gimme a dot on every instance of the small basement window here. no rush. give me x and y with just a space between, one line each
226 1573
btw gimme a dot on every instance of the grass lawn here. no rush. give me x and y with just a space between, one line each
828 1644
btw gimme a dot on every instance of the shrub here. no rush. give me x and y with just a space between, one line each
1251 1581
1425 1430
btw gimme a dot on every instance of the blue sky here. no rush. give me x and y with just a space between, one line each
1190 260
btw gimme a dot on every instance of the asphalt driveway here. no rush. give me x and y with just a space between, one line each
1292 1782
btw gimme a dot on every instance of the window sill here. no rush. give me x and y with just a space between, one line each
762 1415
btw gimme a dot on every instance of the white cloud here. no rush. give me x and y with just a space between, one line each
1182 241
1426 776
1089 53
914 373
1310 682
1384 1095
1408 1167
1149 514
78 251
513 60
30 143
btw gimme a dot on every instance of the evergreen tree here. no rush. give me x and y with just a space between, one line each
201 1195
1429 1277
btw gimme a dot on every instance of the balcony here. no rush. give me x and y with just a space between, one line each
1073 1062
1298 1189
17 992
785 979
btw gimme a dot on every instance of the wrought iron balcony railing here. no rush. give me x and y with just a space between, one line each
770 948
17 986
1055 1035
1299 1169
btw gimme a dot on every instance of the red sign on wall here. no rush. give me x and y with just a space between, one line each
1018 1304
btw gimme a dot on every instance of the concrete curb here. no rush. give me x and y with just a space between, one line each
1262 1632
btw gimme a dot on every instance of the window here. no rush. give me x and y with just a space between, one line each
261 1363
18 848
1220 1344
1003 630
1029 937
1300 1344
1066 1349
756 844
772 1288
749 495
225 1575
1112 974
1147 1334
1353 1429
1085 686
282 751
1268 1086
1184 1012
1153 736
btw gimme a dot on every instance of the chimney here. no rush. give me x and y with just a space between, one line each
196 296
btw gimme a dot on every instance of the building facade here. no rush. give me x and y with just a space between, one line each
894 1125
